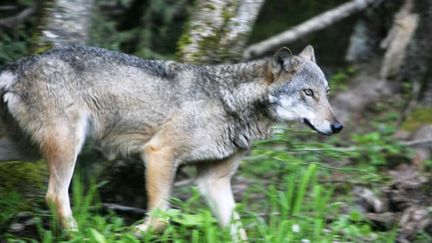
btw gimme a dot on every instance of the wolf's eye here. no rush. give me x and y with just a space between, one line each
308 92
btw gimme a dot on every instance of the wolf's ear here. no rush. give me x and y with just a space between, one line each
308 53
283 59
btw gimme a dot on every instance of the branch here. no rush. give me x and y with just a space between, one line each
417 142
122 208
316 23
184 182
17 19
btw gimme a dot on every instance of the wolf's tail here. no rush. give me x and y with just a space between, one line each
7 79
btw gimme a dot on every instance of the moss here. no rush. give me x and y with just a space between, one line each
209 49
39 43
184 40
210 7
417 118
227 13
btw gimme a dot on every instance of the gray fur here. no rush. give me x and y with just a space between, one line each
126 99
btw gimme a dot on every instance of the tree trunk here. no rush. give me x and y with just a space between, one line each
396 43
218 30
370 29
418 61
63 22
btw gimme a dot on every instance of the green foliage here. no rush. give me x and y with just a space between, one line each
157 22
148 29
15 46
373 145
379 146
296 212
105 34
11 202
353 227
338 80
16 42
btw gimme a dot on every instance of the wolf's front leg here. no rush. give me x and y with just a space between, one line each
160 172
214 183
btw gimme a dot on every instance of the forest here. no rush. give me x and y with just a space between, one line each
372 182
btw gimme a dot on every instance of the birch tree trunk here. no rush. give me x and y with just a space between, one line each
63 22
218 30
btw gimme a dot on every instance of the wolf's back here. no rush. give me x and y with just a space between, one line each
14 143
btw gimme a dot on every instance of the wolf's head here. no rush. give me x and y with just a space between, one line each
299 91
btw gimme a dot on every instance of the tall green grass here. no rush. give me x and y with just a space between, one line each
295 213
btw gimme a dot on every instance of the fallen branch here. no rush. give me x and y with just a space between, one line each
184 182
417 142
17 19
342 181
316 23
122 208
7 7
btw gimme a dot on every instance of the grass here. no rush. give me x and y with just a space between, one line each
292 198
287 217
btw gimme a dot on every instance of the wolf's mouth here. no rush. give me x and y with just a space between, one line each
309 124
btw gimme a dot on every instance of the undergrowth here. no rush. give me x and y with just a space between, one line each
298 191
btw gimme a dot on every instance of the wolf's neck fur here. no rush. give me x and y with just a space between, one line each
243 89
243 72
241 85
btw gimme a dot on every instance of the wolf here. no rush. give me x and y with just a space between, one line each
167 113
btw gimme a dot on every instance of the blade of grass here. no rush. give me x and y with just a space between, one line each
310 172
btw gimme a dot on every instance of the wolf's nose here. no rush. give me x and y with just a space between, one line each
336 127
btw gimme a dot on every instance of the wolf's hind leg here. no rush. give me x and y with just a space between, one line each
60 146
214 183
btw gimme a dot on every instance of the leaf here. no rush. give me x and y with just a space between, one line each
96 236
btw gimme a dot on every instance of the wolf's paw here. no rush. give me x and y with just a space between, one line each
238 234
153 225
69 224
140 229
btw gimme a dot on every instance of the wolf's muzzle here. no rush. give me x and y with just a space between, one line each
309 124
